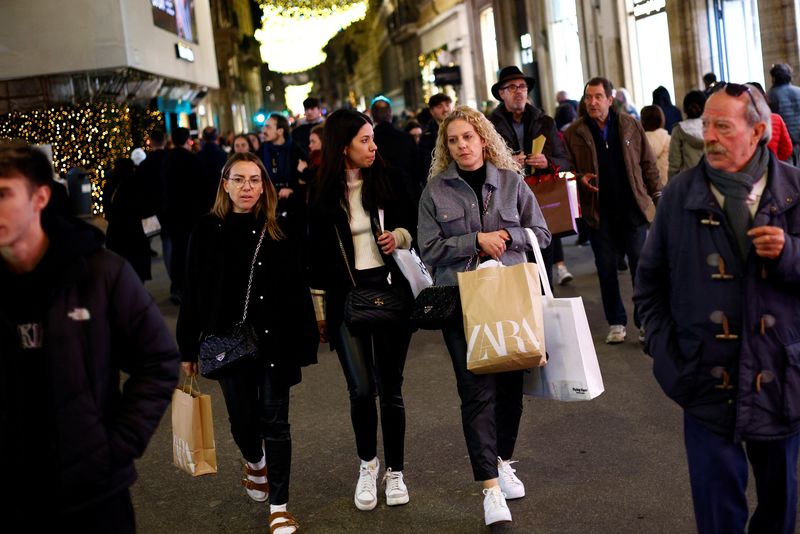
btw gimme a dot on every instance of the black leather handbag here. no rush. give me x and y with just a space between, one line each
219 353
436 307
364 307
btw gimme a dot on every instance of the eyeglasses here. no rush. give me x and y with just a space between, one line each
514 87
239 182
735 90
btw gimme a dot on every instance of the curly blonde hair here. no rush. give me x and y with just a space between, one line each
495 151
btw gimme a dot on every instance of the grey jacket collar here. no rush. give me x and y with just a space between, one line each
492 174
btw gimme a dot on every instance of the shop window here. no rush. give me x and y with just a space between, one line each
565 48
735 40
651 56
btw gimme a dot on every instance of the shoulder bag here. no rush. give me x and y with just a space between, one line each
220 353
364 307
439 306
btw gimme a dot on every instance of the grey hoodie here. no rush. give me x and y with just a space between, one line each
686 146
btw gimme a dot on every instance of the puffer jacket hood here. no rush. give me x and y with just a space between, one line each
693 128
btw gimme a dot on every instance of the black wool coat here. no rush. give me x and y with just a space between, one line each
280 310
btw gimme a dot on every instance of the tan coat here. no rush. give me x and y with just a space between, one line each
639 161
659 143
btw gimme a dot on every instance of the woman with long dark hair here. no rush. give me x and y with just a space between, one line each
220 259
359 215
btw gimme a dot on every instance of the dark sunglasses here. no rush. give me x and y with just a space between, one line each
735 90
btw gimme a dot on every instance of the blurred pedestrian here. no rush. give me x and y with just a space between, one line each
475 175
359 215
519 123
672 115
657 136
709 82
396 147
150 173
780 142
623 103
686 142
413 128
124 212
784 99
255 141
717 294
566 110
242 145
241 259
212 158
611 154
439 106
302 132
73 317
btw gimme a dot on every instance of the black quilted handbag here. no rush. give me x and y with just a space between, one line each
219 353
436 307
369 307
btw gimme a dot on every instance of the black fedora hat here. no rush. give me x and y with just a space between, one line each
510 73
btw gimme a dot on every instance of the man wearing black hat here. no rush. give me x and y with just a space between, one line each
519 123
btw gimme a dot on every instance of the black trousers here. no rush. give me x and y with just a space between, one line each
373 361
114 514
491 408
258 410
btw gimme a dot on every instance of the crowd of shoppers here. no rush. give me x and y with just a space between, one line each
279 228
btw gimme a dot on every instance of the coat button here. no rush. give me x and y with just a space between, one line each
773 209
472 205
444 217
789 200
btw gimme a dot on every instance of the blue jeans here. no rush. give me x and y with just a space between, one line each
607 241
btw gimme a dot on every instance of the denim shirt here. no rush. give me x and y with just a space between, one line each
450 219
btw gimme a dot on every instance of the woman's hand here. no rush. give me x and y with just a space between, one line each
285 192
189 368
493 244
301 166
322 326
387 243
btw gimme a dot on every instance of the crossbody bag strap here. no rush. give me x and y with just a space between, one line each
344 255
485 210
252 270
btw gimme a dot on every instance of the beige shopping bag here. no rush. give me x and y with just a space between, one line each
193 448
502 309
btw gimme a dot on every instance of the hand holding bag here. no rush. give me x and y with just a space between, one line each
572 372
503 322
219 353
193 448
365 307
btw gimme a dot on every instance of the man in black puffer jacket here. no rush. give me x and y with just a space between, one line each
73 316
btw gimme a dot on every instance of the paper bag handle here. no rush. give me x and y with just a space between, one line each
540 263
193 384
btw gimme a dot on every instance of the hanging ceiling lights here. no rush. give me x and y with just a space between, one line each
294 32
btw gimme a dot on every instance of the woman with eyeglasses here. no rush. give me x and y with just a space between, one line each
358 216
280 310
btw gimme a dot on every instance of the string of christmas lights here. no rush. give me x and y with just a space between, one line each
90 136
293 33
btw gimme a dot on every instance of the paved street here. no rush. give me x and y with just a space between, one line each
615 464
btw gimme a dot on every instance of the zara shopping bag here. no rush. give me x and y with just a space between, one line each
193 448
572 372
502 308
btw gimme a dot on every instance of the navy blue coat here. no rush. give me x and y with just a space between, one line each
745 385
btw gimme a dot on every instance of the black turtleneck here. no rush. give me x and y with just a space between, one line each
475 179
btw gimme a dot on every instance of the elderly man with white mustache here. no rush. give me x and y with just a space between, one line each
717 289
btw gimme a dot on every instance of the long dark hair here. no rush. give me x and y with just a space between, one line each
341 127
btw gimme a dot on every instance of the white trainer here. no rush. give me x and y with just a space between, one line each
616 334
510 485
366 497
495 509
396 490
563 276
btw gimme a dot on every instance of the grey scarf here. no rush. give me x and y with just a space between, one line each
736 187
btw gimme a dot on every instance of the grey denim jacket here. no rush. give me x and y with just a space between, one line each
450 219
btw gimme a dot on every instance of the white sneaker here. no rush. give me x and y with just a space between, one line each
642 339
511 486
495 509
366 497
616 334
563 276
396 490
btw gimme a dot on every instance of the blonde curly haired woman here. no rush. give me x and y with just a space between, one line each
476 206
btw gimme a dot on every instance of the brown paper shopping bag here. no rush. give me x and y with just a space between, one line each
554 195
193 448
502 309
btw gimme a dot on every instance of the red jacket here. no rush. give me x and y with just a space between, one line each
780 144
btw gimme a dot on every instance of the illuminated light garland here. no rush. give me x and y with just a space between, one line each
90 136
293 34
295 94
